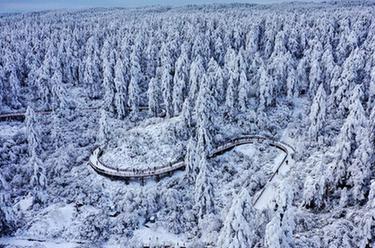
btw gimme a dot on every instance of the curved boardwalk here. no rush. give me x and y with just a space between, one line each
260 200
104 169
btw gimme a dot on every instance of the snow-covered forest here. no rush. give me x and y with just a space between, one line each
152 86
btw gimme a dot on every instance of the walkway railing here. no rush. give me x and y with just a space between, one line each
98 165
21 115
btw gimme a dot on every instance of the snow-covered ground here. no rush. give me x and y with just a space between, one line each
157 236
20 243
150 146
10 129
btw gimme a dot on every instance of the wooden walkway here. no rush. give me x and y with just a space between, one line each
20 116
107 170
126 174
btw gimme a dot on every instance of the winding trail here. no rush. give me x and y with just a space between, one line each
260 199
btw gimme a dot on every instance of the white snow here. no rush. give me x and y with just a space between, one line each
16 241
157 235
10 129
53 220
25 203
247 150
268 194
147 147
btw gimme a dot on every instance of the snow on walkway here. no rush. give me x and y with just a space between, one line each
22 242
282 163
158 236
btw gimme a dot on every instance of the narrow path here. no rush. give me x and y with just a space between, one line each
20 116
33 242
259 200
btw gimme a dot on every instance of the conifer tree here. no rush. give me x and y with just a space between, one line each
108 76
266 97
243 92
167 87
154 97
206 109
318 114
196 73
121 96
180 81
135 80
216 79
104 129
58 90
240 225
38 178
204 203
7 216
351 135
91 68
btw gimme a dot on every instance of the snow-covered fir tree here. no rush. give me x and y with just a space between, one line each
240 225
318 114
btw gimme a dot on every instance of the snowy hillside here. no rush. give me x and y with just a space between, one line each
198 126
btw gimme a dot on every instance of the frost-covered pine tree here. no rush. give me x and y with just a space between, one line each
2 87
135 80
196 73
219 51
15 88
167 85
348 79
38 178
318 112
204 202
92 68
33 137
187 113
44 75
315 76
279 231
232 67
191 160
108 76
266 97
231 97
274 233
7 216
61 164
206 109
216 79
243 92
59 95
314 191
180 81
302 76
351 136
154 97
366 229
359 169
121 94
371 93
57 137
291 84
104 129
152 57
240 225
372 127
